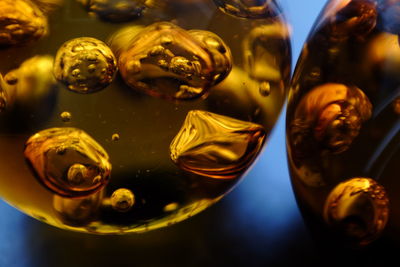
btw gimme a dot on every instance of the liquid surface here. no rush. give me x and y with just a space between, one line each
125 116
343 122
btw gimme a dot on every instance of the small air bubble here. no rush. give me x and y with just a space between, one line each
171 207
265 88
122 200
115 137
76 174
65 116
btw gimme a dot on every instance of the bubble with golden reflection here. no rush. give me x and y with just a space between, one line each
85 65
68 161
115 137
356 19
249 9
122 200
171 207
21 22
32 82
331 114
216 146
65 116
358 209
164 60
115 10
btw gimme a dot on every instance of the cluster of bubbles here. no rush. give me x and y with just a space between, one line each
161 60
343 118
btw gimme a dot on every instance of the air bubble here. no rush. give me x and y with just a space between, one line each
122 200
115 10
216 146
78 174
166 61
249 9
218 50
21 22
356 19
358 209
331 114
65 116
265 89
171 207
32 83
85 65
68 161
115 137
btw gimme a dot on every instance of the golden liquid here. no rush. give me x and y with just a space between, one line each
127 116
343 122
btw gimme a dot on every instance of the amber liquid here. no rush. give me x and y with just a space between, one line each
343 123
147 187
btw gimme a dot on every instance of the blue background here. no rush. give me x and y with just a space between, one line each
257 224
